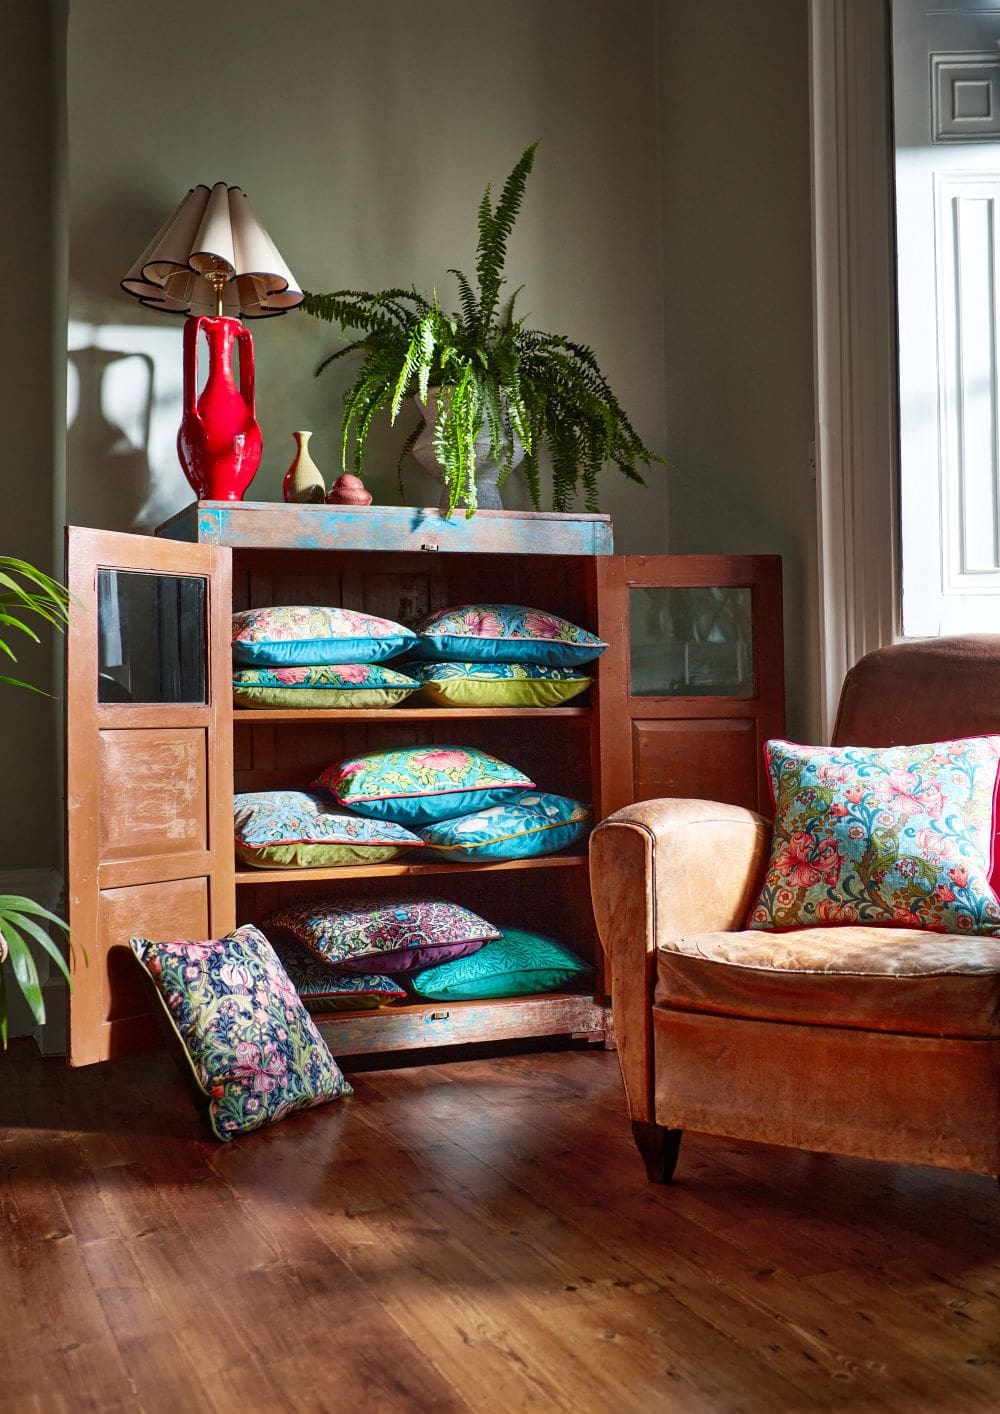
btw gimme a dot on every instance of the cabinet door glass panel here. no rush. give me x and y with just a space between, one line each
691 642
151 637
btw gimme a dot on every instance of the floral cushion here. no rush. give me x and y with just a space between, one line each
421 783
509 633
901 835
312 634
298 828
528 824
494 684
520 964
394 935
358 685
253 1049
323 988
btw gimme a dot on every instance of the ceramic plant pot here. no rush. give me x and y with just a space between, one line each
487 470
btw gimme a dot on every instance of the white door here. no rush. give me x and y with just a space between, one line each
946 85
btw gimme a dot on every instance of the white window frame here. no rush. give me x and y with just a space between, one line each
857 438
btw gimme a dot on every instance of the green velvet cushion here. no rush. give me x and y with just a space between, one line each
518 964
493 684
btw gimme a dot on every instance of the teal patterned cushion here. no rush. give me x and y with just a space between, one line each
519 964
394 935
330 687
252 1047
901 835
494 684
421 783
308 634
528 824
508 633
277 829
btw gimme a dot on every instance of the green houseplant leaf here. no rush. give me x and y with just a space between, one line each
522 385
26 591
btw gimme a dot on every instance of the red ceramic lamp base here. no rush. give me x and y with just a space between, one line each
219 441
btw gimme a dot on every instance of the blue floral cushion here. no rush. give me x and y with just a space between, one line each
278 829
330 687
253 1048
494 684
310 634
529 824
418 784
509 633
323 988
520 964
394 935
900 835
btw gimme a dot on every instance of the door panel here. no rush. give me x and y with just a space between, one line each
148 768
692 683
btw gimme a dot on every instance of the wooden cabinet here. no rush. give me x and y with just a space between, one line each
686 693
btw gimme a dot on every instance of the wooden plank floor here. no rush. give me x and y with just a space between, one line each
475 1235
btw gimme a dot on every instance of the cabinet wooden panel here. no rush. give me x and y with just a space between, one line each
151 782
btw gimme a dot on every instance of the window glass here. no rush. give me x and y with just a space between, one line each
151 637
691 642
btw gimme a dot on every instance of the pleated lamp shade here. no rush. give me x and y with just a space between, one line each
213 232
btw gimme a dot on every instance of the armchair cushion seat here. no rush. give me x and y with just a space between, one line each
873 979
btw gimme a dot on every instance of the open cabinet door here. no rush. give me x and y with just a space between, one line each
692 683
149 772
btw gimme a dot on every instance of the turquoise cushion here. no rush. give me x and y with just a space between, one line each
508 633
313 635
529 824
519 964
418 784
252 1047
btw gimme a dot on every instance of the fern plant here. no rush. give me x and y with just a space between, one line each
492 373
26 591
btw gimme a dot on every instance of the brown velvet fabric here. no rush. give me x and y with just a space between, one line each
936 689
879 979
908 1099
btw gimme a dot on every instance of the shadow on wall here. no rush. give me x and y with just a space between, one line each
123 409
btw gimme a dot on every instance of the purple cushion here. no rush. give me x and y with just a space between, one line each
396 935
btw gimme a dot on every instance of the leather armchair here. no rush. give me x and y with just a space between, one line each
878 1042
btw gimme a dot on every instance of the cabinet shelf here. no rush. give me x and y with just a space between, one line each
401 1027
397 871
405 714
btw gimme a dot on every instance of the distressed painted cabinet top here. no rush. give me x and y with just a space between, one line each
273 524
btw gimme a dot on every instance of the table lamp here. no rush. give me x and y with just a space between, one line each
213 260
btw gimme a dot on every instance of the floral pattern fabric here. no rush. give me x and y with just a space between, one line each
506 632
314 634
495 684
395 935
901 835
253 1048
418 784
530 824
296 827
324 989
327 686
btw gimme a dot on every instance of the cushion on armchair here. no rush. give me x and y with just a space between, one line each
900 836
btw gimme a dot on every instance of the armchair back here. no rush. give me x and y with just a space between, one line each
934 689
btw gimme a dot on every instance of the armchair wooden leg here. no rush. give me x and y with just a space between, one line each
659 1148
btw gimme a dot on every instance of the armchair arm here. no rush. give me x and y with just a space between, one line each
658 869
